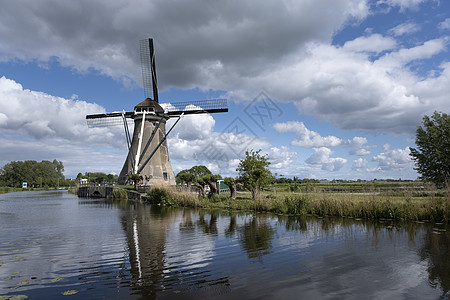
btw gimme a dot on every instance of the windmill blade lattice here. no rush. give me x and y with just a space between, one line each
148 67
108 119
195 107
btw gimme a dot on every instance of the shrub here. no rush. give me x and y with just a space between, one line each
161 197
295 204
119 193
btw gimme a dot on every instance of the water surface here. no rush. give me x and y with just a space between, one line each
54 243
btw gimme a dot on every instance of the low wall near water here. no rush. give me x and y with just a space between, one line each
95 191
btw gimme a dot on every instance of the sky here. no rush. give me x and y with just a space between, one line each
327 89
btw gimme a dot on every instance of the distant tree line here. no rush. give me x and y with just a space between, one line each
295 180
98 177
35 174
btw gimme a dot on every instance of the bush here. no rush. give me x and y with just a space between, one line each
295 204
119 193
161 197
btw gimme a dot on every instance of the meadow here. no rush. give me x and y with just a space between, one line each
410 201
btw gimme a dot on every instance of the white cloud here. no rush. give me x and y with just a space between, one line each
39 126
359 164
307 138
374 43
193 127
219 150
289 54
311 139
444 24
41 116
321 157
396 159
404 56
359 147
405 28
282 159
402 4
351 92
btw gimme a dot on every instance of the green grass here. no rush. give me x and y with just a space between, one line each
6 189
406 204
119 193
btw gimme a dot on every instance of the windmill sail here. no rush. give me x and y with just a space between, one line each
195 107
108 119
148 67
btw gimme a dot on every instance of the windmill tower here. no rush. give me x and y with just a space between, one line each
148 154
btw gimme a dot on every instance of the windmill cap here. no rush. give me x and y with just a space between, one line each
150 103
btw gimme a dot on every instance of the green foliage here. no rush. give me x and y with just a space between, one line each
200 171
432 155
229 181
295 180
192 175
136 179
199 176
161 197
185 176
253 171
119 193
36 174
98 177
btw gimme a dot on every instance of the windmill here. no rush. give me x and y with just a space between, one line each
148 154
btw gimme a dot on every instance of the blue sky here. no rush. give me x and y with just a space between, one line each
346 82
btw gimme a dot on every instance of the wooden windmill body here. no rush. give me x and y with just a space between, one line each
148 153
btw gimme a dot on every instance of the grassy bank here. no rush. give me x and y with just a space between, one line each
395 204
6 189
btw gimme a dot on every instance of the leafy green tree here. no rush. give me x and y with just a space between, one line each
432 156
253 172
135 178
200 171
232 185
44 173
211 181
199 176
185 176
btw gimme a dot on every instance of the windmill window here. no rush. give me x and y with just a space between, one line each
165 176
144 109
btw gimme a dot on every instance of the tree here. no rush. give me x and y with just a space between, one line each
253 171
185 176
432 156
44 173
199 176
200 171
211 181
135 178
232 185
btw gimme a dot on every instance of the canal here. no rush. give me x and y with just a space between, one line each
54 245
